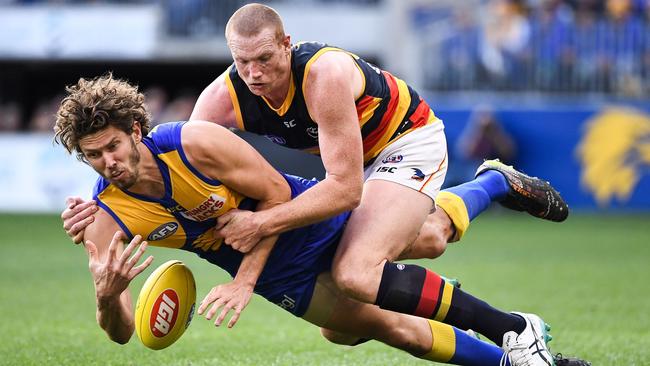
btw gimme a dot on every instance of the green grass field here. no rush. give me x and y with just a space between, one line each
588 277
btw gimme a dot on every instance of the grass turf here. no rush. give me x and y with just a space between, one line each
587 277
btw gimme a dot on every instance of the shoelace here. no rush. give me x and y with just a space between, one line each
520 352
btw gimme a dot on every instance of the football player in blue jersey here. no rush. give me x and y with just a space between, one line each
187 175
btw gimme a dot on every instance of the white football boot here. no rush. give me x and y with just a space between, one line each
528 348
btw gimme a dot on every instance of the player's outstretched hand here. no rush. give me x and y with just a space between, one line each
77 215
113 274
231 296
240 229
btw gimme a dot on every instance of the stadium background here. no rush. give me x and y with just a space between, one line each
566 82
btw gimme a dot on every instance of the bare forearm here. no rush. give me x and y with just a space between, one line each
114 315
322 201
254 261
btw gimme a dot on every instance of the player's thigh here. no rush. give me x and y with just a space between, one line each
398 194
385 223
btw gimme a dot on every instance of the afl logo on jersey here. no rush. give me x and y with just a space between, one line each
163 231
393 159
313 132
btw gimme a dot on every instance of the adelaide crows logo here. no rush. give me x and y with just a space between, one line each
615 153
417 175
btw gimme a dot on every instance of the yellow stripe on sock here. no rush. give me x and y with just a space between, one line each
445 302
444 342
455 208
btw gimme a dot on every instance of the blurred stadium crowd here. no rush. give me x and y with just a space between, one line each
549 46
162 106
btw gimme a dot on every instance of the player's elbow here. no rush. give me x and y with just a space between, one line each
351 194
350 200
120 336
118 333
120 339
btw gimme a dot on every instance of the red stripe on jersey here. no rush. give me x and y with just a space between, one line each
420 116
430 295
373 137
362 104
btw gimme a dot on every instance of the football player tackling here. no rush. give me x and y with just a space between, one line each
186 175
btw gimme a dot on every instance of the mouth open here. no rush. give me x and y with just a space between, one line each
116 175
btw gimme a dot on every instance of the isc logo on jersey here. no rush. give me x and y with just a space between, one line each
165 305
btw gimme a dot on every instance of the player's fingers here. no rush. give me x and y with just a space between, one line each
245 246
223 220
216 304
70 201
224 312
208 299
112 247
131 262
79 226
137 270
79 211
78 239
126 253
239 245
91 249
235 317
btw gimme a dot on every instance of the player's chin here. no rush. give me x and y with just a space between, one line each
124 183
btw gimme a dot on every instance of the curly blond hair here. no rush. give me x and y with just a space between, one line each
92 105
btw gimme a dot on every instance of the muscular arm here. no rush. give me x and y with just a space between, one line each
330 91
112 272
220 154
214 104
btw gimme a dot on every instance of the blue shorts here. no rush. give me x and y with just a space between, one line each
299 256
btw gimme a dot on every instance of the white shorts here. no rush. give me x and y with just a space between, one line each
417 160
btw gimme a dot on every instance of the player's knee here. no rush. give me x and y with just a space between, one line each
404 338
437 240
434 238
339 338
351 283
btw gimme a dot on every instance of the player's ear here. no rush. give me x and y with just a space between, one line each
137 131
286 42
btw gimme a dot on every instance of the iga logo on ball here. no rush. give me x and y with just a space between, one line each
165 311
165 305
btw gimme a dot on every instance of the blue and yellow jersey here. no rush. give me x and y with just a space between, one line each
185 216
387 109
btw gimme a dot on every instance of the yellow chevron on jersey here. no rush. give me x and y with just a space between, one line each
187 211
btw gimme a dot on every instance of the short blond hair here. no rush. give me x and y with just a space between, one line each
250 19
93 105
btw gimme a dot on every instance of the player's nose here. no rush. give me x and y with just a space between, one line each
109 159
255 72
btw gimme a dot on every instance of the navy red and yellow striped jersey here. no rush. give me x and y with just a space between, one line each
387 108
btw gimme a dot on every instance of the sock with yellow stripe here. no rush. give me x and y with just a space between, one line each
454 346
414 290
466 201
